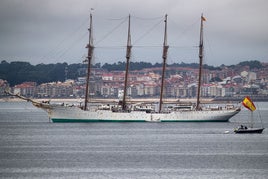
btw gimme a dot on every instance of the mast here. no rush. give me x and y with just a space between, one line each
201 49
90 48
164 56
128 53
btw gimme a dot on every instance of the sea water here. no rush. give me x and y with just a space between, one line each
33 147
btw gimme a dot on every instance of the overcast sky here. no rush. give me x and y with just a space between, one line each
50 31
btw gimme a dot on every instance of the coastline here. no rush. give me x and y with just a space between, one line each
145 100
109 100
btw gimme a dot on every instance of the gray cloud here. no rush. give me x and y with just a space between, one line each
56 30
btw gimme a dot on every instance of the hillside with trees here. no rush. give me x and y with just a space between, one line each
18 72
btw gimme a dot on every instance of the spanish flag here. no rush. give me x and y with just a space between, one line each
249 104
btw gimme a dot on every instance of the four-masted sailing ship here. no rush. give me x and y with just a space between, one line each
124 112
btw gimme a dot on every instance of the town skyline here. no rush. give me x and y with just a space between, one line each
247 78
41 73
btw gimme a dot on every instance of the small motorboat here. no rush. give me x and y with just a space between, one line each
248 103
245 129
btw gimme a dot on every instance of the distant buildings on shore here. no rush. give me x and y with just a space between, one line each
180 82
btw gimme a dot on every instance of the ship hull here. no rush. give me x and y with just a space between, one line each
74 114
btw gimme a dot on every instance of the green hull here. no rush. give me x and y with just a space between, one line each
107 120
92 120
194 120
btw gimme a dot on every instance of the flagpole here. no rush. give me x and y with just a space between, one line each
260 117
251 119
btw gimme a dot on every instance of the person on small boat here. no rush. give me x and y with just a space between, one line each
243 127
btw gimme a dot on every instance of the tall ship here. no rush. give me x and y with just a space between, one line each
141 112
